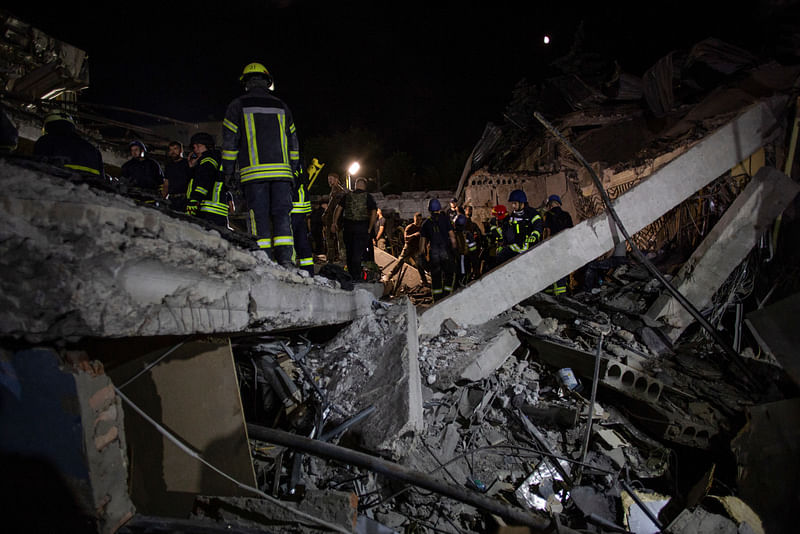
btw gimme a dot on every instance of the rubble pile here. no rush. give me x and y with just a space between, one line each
505 410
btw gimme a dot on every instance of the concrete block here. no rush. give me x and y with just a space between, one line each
569 250
492 355
374 362
726 246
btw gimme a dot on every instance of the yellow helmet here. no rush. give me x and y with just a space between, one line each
254 68
58 116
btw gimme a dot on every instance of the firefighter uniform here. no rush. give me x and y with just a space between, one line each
556 220
259 134
301 208
61 142
207 194
439 262
524 230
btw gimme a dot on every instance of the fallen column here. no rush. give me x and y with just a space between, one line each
726 246
571 249
78 262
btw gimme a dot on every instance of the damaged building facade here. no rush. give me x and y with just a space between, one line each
159 375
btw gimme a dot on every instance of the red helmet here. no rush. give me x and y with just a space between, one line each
499 212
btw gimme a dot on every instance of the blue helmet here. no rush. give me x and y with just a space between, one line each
518 195
461 220
554 198
434 205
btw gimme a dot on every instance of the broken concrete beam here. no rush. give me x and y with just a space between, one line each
408 276
83 262
64 428
375 362
491 356
726 246
573 248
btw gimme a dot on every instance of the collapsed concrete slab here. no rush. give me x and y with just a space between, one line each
775 329
78 261
726 246
374 362
571 249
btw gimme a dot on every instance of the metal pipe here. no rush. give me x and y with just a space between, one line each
398 472
732 355
360 416
595 379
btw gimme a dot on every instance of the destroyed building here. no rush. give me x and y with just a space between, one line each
158 375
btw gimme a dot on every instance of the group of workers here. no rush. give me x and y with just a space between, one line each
451 247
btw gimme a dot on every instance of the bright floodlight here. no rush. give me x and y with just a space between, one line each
546 39
354 168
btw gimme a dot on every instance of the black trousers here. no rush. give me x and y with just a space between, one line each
270 203
356 239
304 256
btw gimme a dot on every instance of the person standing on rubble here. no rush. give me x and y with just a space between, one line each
524 229
358 212
176 176
142 172
259 134
207 192
61 142
473 235
497 227
556 220
301 208
411 238
437 248
333 240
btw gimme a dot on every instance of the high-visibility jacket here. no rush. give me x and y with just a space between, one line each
259 133
301 202
524 229
207 186
62 142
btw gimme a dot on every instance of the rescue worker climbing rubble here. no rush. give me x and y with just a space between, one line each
207 194
524 227
259 134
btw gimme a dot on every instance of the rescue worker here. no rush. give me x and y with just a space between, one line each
176 176
494 237
461 266
437 246
411 237
334 241
473 236
259 134
61 142
141 171
358 212
207 194
556 220
301 208
524 227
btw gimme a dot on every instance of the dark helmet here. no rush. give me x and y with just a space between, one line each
434 205
554 198
518 195
138 143
255 69
202 138
461 220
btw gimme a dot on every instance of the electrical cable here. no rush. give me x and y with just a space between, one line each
751 381
178 443
155 362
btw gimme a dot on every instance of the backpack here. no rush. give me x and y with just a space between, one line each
355 206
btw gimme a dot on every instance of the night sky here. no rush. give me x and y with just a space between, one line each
424 77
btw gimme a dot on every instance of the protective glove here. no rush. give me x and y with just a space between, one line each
191 207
